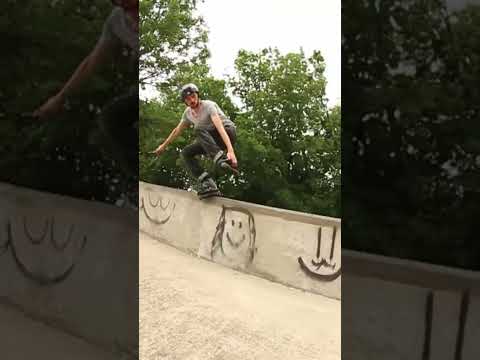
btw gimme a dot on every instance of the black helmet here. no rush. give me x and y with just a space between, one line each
187 90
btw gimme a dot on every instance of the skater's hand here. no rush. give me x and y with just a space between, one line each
159 150
50 107
233 159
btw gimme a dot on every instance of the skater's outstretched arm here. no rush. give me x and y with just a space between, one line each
173 135
221 130
83 72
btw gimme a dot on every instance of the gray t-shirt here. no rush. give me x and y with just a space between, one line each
203 120
118 32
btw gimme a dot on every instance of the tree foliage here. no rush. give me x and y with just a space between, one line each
171 34
410 167
44 41
288 141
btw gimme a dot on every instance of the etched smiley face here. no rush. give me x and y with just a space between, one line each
234 239
235 230
159 210
325 265
46 256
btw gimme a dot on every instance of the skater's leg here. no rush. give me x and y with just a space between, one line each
232 134
214 145
207 139
189 154
206 185
220 159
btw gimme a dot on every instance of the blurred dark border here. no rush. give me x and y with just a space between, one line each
410 171
58 175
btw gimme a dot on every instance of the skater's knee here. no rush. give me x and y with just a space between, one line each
184 153
187 152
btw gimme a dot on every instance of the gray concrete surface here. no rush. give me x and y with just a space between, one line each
194 309
22 338
406 310
71 262
293 248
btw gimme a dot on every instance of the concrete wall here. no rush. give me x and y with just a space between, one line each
400 309
296 249
391 308
71 263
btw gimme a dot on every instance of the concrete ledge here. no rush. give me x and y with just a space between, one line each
403 309
410 272
72 264
296 249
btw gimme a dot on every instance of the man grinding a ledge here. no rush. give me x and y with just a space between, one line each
215 135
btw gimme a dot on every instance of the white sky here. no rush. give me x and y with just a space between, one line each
286 24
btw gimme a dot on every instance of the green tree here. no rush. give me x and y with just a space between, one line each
44 42
288 141
287 134
171 34
409 166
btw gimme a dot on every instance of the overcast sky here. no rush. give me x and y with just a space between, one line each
286 24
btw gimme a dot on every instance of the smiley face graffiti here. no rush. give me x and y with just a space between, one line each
54 276
324 267
163 211
234 238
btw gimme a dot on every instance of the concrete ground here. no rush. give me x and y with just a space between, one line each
23 338
193 309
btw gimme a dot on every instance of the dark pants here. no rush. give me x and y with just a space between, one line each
119 125
208 143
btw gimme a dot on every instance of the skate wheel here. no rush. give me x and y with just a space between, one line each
209 195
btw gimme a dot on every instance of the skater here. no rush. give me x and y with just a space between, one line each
119 118
215 135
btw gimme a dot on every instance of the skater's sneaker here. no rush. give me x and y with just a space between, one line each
209 195
221 160
206 185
